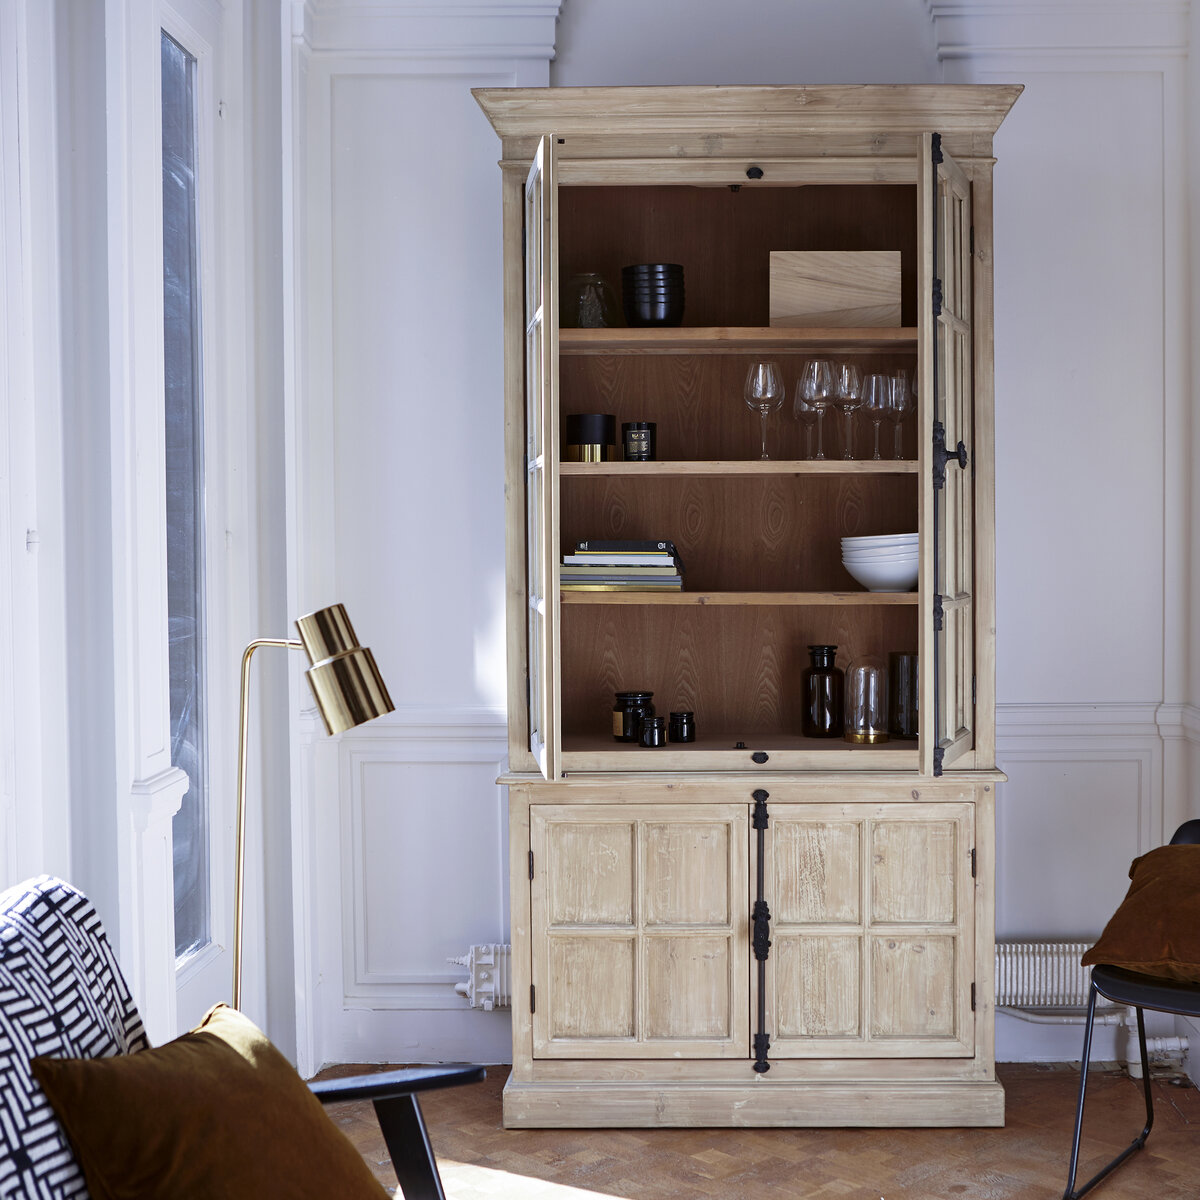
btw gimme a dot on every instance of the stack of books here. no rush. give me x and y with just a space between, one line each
622 566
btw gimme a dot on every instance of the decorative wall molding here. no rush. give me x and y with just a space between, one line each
1179 721
486 29
1126 29
387 772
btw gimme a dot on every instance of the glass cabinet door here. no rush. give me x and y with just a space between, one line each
947 405
541 457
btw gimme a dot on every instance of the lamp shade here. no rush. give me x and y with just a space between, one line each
343 676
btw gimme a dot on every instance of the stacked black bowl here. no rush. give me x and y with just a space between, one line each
652 293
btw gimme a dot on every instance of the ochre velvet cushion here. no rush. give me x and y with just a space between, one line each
218 1114
1157 928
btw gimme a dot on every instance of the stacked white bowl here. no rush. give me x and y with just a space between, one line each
884 563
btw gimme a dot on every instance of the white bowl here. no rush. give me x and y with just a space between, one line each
893 539
880 555
885 576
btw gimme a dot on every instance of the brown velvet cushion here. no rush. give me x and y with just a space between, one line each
1157 928
218 1114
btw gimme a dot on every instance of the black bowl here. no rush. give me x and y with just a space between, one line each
653 312
652 271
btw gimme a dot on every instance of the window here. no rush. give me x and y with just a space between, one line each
185 495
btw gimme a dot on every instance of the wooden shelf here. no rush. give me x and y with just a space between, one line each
710 742
745 599
829 466
728 339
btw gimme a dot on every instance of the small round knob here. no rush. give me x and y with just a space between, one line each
759 756
754 172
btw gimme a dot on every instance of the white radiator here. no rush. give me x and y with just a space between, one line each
490 982
1041 975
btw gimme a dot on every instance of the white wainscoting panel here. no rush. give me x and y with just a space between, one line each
1084 797
424 875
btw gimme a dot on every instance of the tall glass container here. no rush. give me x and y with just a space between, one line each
866 701
823 684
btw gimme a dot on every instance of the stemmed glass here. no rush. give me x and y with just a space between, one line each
899 408
849 397
877 399
817 390
806 414
764 392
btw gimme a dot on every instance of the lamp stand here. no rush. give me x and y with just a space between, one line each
240 857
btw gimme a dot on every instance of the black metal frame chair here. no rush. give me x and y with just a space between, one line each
1138 992
393 1094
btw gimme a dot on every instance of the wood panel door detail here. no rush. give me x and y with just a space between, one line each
872 930
641 940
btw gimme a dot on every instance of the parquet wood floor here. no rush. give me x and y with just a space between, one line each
1026 1160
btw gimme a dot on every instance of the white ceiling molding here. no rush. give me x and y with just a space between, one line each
519 29
985 28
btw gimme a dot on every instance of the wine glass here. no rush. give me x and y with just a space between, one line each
877 399
764 392
848 397
901 405
817 390
806 414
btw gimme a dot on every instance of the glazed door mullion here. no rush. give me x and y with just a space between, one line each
541 458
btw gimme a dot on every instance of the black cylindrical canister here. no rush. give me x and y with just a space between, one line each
629 710
637 441
682 727
589 437
653 733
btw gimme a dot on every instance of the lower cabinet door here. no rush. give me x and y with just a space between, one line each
872 930
640 931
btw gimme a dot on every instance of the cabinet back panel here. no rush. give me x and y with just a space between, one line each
738 669
744 533
697 403
723 239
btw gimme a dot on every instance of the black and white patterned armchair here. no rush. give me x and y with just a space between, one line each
62 995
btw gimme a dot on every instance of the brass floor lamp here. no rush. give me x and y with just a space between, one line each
349 691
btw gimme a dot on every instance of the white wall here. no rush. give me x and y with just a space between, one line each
397 470
1097 702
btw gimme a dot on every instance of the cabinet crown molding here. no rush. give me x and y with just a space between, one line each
746 113
480 29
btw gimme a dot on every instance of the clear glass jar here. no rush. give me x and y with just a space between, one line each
587 302
866 701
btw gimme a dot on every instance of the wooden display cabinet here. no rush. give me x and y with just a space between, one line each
755 927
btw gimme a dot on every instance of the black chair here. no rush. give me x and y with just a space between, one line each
1138 992
400 1119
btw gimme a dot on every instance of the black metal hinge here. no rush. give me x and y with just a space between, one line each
974 690
972 997
937 298
531 864
939 614
533 1000
939 754
972 862
936 154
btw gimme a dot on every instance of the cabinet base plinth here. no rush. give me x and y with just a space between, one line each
649 1105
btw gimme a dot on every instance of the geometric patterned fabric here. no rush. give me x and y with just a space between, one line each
61 994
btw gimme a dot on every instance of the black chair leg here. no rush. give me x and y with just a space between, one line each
1140 1140
408 1143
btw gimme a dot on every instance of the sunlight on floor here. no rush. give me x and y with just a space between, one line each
464 1181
